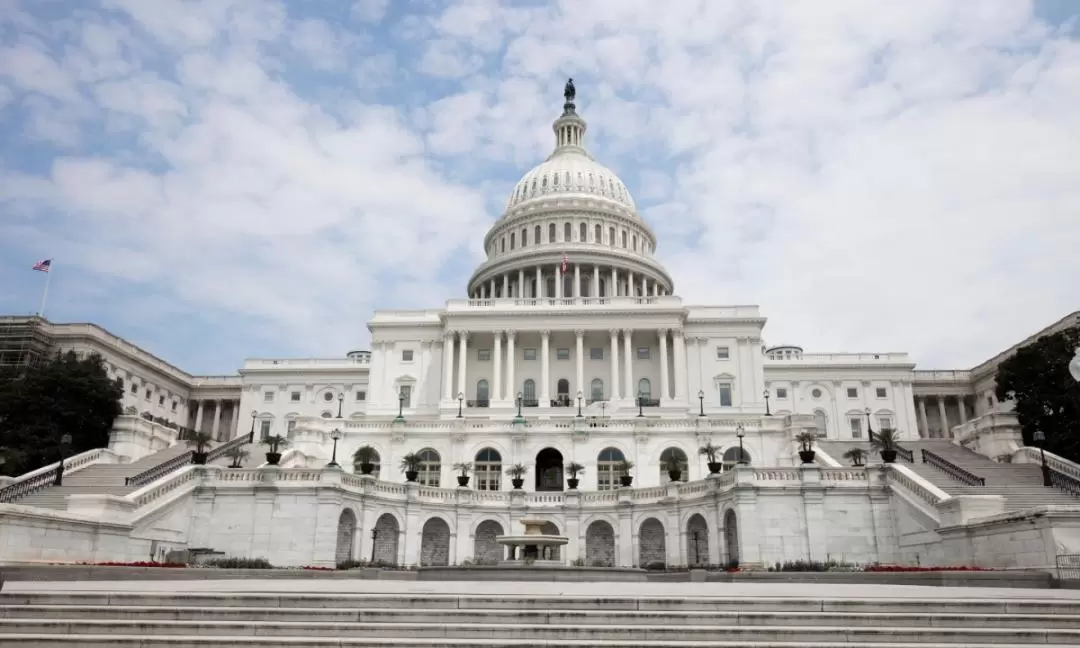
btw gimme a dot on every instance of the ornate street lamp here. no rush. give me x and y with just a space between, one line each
1040 438
335 435
701 402
65 441
340 401
766 395
460 400
254 413
400 405
869 428
579 397
640 404
741 432
374 537
519 404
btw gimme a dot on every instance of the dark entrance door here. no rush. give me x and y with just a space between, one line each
549 470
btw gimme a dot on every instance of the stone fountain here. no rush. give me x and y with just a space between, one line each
533 546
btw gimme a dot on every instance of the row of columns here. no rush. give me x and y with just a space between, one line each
943 415
519 284
505 387
218 405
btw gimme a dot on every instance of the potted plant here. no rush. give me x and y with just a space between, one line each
517 474
573 469
674 468
625 478
886 440
711 451
201 441
463 469
364 460
806 439
855 456
275 443
238 454
410 465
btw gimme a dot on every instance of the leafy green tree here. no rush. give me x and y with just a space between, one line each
1047 398
66 395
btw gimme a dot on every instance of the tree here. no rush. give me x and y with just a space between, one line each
66 395
1046 397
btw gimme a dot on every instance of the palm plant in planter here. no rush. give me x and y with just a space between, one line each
711 451
673 467
238 455
463 468
275 443
573 469
201 441
364 460
806 439
517 474
410 465
886 440
625 478
855 456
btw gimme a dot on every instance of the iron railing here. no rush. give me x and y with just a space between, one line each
181 460
28 486
1068 567
1065 482
951 469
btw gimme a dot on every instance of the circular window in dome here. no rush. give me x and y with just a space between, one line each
816 393
328 397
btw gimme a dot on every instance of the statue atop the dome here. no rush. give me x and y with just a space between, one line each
570 92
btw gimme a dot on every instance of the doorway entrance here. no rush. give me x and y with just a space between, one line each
549 470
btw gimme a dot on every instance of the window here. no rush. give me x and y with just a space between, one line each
135 389
566 232
536 235
482 393
884 423
290 425
406 355
161 400
430 468
882 392
852 392
376 460
562 354
528 393
583 232
644 390
147 394
643 353
815 392
361 395
264 428
624 239
596 353
722 353
405 394
822 422
295 397
731 457
512 239
174 406
781 392
326 415
524 237
856 427
611 236
502 244
608 468
483 355
268 397
529 354
598 233
723 390
488 469
635 242
596 390
328 397
674 458
551 233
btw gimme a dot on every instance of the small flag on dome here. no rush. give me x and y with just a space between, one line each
564 260
43 266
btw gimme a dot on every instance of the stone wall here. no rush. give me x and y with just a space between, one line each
600 545
651 543
386 539
486 549
435 543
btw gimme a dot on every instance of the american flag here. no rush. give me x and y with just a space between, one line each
43 266
564 260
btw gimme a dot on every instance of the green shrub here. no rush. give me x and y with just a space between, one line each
239 563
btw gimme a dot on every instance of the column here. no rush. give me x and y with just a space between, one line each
644 287
630 284
217 420
628 370
539 282
665 394
448 366
198 415
614 365
506 285
496 387
614 292
962 409
577 280
944 418
558 281
491 289
423 387
655 289
680 366
596 281
580 334
521 283
463 344
510 392
924 426
545 379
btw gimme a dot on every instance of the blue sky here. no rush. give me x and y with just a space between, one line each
224 179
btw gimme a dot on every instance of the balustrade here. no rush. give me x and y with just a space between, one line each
951 469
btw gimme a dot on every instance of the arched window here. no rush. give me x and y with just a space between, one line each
374 459
536 235
482 393
524 237
624 239
611 236
635 242
488 469
644 390
596 390
324 415
822 421
511 240
528 393
598 233
430 468
583 232
731 457
674 458
551 233
566 231
609 468
503 244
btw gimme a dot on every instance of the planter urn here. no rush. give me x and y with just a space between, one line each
273 458
715 467
463 480
572 483
367 468
626 481
674 475
806 456
518 482
411 475
199 458
888 456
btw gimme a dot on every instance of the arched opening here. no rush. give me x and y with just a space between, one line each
562 393
644 389
568 283
583 234
346 533
482 393
486 551
430 468
731 537
674 458
374 459
586 286
596 390
528 393
549 470
697 540
487 469
551 234
600 545
597 234
536 235
386 540
731 458
435 543
549 286
608 464
652 553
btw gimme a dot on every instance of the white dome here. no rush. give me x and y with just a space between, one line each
570 172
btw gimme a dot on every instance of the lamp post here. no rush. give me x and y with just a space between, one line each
519 404
579 397
65 441
1039 438
701 402
400 405
374 537
768 412
340 401
254 413
741 432
335 435
640 404
460 400
869 428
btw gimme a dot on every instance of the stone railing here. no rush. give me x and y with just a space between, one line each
1027 454
925 493
518 303
152 493
994 435
35 480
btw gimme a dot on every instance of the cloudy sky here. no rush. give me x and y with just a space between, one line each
222 179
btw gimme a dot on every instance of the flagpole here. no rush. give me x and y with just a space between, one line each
45 293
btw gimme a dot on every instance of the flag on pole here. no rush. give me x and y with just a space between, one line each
43 266
564 260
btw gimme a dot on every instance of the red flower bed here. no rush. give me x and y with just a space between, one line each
904 568
142 563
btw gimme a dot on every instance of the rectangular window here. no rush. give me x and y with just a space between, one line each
529 354
406 393
135 389
562 354
881 392
724 389
596 353
174 406
852 392
264 428
856 427
406 355
268 397
781 392
643 353
147 394
483 355
290 427
607 476
160 400
361 395
884 422
722 353
295 397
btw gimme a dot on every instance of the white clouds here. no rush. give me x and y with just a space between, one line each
369 11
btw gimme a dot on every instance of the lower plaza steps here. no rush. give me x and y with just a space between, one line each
698 618
1020 484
